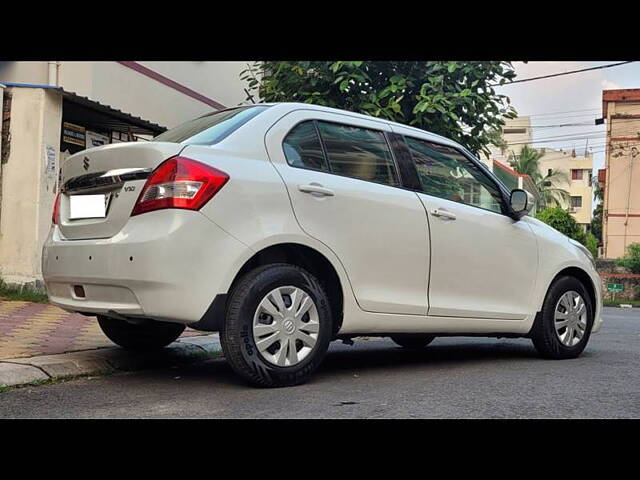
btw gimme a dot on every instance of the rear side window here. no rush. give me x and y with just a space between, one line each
302 147
358 153
212 128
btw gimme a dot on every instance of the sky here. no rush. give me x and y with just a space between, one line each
569 99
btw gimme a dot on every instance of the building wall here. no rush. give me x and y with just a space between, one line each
622 195
27 191
24 72
123 88
556 159
515 139
565 162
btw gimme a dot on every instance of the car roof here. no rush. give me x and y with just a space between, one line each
310 106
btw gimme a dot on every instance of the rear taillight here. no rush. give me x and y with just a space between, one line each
179 183
55 216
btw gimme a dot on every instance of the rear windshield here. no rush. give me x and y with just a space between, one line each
211 128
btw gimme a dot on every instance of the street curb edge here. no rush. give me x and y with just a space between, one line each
16 372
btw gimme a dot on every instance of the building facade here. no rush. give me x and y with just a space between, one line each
621 210
517 133
54 109
166 93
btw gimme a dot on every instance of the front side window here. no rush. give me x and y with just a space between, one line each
358 153
302 147
446 173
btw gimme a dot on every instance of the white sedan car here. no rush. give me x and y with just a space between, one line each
286 226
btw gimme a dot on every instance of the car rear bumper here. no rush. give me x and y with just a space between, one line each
166 265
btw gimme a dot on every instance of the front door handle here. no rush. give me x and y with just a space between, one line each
316 189
441 213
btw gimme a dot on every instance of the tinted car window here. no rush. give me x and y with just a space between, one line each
444 172
302 147
358 153
211 128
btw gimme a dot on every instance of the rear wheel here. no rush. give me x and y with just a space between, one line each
277 327
412 340
563 327
149 335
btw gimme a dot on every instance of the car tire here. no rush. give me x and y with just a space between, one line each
258 338
413 341
149 335
549 337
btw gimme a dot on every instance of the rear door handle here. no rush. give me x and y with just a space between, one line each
316 189
439 212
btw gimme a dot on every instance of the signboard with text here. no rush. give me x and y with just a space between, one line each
73 134
615 287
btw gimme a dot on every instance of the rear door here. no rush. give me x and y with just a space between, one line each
484 263
345 190
113 174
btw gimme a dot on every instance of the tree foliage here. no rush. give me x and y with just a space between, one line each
596 222
631 259
454 99
591 242
562 221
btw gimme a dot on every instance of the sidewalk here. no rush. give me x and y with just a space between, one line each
28 329
40 342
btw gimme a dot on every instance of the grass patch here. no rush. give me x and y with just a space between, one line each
22 293
617 303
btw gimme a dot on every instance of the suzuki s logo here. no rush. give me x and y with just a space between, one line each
85 163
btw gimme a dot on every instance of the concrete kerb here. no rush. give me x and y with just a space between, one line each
22 371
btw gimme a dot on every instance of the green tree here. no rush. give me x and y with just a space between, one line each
528 163
562 221
591 242
454 99
631 259
596 220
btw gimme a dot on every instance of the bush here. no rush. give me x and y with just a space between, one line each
562 221
631 259
591 242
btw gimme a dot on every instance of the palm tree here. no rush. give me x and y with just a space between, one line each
598 192
528 163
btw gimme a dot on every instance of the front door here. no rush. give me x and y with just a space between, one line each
483 263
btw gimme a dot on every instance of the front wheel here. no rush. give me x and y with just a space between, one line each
412 340
145 336
563 327
277 327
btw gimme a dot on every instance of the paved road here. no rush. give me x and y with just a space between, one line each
452 378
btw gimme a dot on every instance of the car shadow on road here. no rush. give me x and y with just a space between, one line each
389 355
384 355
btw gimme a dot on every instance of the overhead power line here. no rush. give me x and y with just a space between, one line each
561 112
564 73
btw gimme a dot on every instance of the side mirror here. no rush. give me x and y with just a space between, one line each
521 202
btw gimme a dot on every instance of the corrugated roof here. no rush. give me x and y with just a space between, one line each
146 125
141 126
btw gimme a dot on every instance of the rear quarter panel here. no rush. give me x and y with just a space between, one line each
254 206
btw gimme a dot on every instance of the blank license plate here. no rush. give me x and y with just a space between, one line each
87 206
